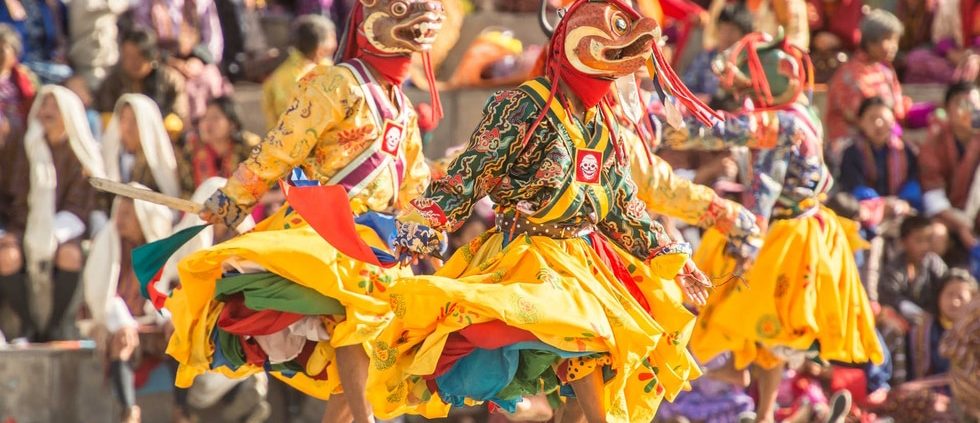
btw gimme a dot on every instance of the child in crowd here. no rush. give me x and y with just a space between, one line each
909 283
927 397
877 156
955 291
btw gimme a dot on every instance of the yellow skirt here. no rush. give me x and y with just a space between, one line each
804 287
285 245
559 291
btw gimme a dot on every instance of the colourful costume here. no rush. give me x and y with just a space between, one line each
668 194
804 285
575 277
279 297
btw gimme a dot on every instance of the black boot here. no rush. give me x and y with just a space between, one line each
14 290
63 291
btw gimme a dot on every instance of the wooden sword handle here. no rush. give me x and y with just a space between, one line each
135 193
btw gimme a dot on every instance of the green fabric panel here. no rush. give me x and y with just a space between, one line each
269 291
150 258
231 348
534 375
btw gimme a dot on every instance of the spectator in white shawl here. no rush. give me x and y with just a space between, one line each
51 210
136 147
112 292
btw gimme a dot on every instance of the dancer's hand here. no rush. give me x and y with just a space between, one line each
219 209
741 228
414 240
694 283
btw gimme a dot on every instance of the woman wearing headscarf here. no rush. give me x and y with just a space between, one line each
51 211
136 147
112 291
217 147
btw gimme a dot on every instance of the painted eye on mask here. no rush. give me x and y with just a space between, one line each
399 8
620 24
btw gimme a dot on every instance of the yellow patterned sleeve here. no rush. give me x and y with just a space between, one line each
417 173
323 99
665 193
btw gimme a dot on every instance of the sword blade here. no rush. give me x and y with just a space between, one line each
135 193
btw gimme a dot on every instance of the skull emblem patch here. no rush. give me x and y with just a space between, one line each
587 166
392 137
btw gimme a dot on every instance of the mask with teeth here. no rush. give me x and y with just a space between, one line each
384 34
402 26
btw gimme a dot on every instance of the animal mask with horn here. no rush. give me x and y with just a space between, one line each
598 41
385 33
771 71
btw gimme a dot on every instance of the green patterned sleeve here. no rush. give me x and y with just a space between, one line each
628 224
448 202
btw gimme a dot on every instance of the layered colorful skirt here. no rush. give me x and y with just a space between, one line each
803 291
277 299
503 320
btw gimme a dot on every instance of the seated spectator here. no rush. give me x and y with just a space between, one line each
40 25
93 38
962 346
179 21
189 36
953 294
51 209
203 77
927 398
733 23
877 156
770 17
949 160
217 147
112 292
247 54
136 147
314 41
947 58
17 86
869 73
140 71
909 283
834 25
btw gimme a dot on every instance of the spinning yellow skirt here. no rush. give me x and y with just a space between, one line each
499 322
803 288
297 275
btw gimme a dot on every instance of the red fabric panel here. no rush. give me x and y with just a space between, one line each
327 210
238 319
490 335
611 259
254 354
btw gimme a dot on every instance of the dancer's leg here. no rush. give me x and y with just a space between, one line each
570 412
338 410
768 380
588 392
353 364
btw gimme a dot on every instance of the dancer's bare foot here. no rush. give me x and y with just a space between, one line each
729 374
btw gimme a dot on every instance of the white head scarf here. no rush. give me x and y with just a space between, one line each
100 277
40 243
154 141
